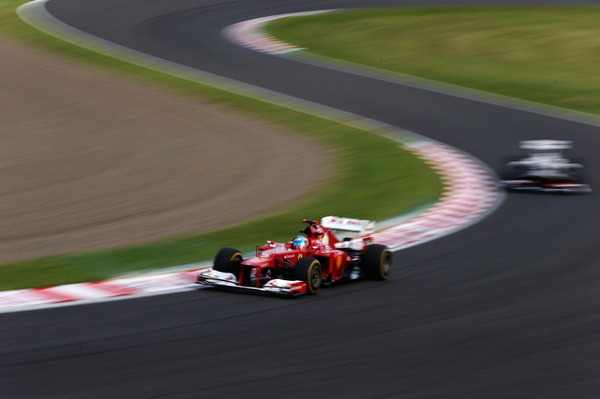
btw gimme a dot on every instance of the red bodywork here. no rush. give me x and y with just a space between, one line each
274 268
281 255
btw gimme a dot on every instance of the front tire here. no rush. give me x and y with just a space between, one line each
377 262
227 260
309 270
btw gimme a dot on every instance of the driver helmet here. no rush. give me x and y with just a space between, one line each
300 242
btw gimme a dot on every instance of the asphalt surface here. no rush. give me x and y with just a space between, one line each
505 309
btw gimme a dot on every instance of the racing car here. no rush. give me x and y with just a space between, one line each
331 250
544 169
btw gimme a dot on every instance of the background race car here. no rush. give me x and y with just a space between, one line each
333 250
544 169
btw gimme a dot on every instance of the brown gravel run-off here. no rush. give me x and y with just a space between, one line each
89 160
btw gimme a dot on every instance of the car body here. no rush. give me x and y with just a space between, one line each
331 250
544 169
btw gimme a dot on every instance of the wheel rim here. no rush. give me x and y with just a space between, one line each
315 277
385 264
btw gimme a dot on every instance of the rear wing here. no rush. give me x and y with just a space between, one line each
348 224
546 145
348 229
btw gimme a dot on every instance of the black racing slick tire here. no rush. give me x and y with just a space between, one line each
309 270
227 260
377 262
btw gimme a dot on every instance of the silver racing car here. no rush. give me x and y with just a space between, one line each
544 169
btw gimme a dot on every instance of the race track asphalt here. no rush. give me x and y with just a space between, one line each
508 308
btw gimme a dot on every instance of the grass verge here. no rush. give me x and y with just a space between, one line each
374 178
545 54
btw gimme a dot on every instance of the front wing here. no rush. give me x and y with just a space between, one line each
533 185
219 279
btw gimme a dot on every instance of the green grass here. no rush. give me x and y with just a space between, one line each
544 54
372 178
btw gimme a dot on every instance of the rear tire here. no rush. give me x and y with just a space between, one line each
309 270
377 262
227 260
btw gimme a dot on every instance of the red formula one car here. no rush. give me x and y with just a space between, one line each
332 250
